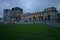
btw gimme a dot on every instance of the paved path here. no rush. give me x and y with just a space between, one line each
56 24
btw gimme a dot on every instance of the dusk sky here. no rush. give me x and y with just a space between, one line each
28 5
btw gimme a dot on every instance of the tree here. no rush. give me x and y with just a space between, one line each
34 18
45 19
39 17
49 17
42 18
30 19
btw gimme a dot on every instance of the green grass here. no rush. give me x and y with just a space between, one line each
29 32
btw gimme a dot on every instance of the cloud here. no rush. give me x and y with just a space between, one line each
29 5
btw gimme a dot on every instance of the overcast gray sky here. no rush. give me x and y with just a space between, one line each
28 5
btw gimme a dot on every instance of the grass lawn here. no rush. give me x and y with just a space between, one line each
29 32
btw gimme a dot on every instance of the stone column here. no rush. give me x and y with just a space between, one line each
37 17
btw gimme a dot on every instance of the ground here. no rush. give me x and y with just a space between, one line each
29 32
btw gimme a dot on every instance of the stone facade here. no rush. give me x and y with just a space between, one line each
16 15
40 16
12 15
1 20
7 15
58 17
